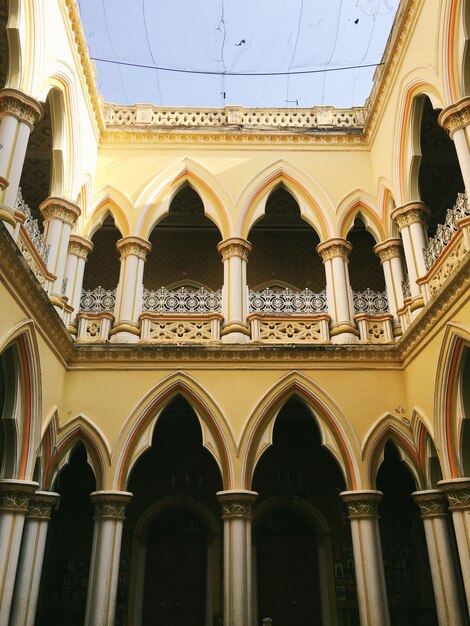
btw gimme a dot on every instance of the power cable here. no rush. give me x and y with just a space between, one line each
157 80
113 49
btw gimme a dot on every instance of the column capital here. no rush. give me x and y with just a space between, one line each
389 249
41 504
456 116
79 246
60 209
236 504
15 495
234 246
133 245
362 504
335 247
110 504
458 493
22 107
432 503
410 213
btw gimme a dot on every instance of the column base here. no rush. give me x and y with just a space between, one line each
343 332
235 332
125 332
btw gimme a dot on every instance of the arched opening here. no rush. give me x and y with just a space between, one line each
439 177
284 247
466 52
303 545
465 390
8 400
102 266
406 565
184 247
64 583
172 534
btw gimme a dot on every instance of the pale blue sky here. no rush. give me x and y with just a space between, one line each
237 36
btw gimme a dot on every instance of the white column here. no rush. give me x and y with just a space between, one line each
59 216
456 120
235 253
335 254
18 115
28 577
133 251
458 495
110 507
78 251
14 500
433 508
368 563
411 220
389 253
238 600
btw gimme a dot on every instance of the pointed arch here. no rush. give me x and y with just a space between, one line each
387 204
15 50
59 443
27 401
456 36
389 428
109 202
314 204
358 204
136 434
155 200
429 457
448 407
336 433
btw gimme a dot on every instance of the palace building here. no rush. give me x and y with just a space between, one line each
234 344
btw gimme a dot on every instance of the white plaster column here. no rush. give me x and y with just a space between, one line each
335 254
458 495
234 252
368 563
18 115
110 507
79 249
59 216
28 577
14 501
238 582
456 120
133 251
433 509
390 255
411 220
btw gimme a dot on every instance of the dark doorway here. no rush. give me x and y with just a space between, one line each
175 572
288 581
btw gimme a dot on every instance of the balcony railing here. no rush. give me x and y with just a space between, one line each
370 302
184 301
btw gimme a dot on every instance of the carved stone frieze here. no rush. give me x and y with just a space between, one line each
110 504
335 247
59 209
458 493
410 213
362 504
432 503
134 246
41 504
237 504
15 495
234 246
22 107
80 247
456 116
389 249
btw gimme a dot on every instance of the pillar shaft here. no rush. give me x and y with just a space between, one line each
236 513
368 563
235 253
456 120
28 577
458 495
78 251
433 508
110 507
133 252
335 253
389 252
14 501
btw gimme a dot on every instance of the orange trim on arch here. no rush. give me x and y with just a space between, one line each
27 409
449 422
379 224
115 212
160 400
397 438
451 40
286 393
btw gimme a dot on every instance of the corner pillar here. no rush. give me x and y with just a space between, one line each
234 252
390 255
370 578
238 581
335 254
455 119
433 509
79 249
14 501
110 507
28 577
133 251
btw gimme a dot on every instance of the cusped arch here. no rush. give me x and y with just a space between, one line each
59 443
336 432
314 204
109 202
448 407
154 201
136 434
389 429
357 204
